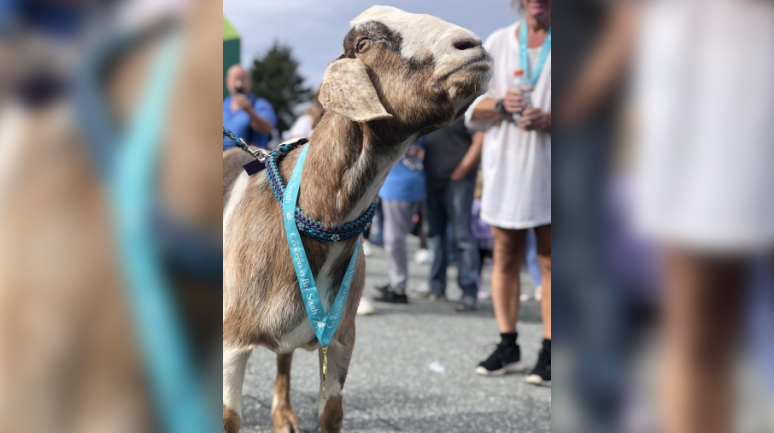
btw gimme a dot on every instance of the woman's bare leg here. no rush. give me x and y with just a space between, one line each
543 236
509 250
705 300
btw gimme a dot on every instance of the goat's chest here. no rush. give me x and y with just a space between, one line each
302 335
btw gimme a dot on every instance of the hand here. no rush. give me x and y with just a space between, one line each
514 101
243 102
460 172
534 119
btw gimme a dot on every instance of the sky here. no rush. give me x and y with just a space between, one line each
315 29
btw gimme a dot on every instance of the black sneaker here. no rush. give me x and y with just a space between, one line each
392 298
541 374
466 305
383 289
505 359
436 298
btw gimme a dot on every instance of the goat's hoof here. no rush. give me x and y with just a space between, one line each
285 420
231 421
333 416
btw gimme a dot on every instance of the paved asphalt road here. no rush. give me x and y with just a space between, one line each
390 387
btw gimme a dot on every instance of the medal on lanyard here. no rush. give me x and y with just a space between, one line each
324 325
530 79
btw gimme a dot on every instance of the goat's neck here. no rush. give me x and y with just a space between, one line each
346 165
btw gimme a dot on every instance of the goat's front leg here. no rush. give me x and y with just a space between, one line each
339 355
282 415
234 364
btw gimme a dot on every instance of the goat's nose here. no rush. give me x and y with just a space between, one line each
466 44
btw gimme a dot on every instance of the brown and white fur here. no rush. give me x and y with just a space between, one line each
418 74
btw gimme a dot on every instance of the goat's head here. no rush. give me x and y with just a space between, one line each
406 72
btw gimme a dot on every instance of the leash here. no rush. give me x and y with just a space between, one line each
261 155
128 165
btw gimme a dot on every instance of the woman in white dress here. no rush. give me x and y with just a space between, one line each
703 188
516 163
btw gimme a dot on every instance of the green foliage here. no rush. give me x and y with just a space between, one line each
275 78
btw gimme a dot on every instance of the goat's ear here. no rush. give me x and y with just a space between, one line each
347 90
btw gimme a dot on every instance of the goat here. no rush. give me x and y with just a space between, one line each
400 76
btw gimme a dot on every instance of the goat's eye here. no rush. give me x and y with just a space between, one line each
363 45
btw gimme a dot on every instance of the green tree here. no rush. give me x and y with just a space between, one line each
275 78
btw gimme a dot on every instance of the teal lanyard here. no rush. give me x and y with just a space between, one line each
324 325
524 48
178 392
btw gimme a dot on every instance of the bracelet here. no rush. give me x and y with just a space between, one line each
500 108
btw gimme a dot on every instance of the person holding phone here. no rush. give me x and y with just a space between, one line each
247 116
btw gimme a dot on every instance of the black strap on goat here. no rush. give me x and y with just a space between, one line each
260 155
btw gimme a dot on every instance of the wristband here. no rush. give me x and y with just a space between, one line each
500 108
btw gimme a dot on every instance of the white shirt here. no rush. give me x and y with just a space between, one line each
704 166
516 164
302 127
